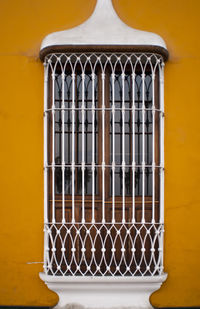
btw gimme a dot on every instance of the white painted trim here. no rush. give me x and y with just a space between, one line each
104 27
103 292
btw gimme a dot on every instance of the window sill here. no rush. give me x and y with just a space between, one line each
103 292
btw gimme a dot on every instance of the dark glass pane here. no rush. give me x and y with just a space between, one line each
78 151
128 131
58 91
118 123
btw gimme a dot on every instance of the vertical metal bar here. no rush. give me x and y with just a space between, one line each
113 148
63 147
133 147
161 167
153 147
45 144
123 150
93 148
83 147
103 147
45 167
53 147
73 146
143 147
162 143
161 249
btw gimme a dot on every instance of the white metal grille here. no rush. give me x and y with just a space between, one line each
104 164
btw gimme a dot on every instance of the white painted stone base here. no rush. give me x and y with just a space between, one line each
103 292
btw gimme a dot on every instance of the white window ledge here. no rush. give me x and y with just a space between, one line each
103 292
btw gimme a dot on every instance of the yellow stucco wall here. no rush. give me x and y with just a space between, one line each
23 24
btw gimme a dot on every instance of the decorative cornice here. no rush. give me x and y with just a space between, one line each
103 28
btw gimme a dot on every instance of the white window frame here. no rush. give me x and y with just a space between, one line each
107 289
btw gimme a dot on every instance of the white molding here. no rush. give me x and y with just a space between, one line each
104 27
103 292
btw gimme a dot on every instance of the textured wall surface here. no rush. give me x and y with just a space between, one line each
23 24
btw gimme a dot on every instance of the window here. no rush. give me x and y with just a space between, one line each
103 164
